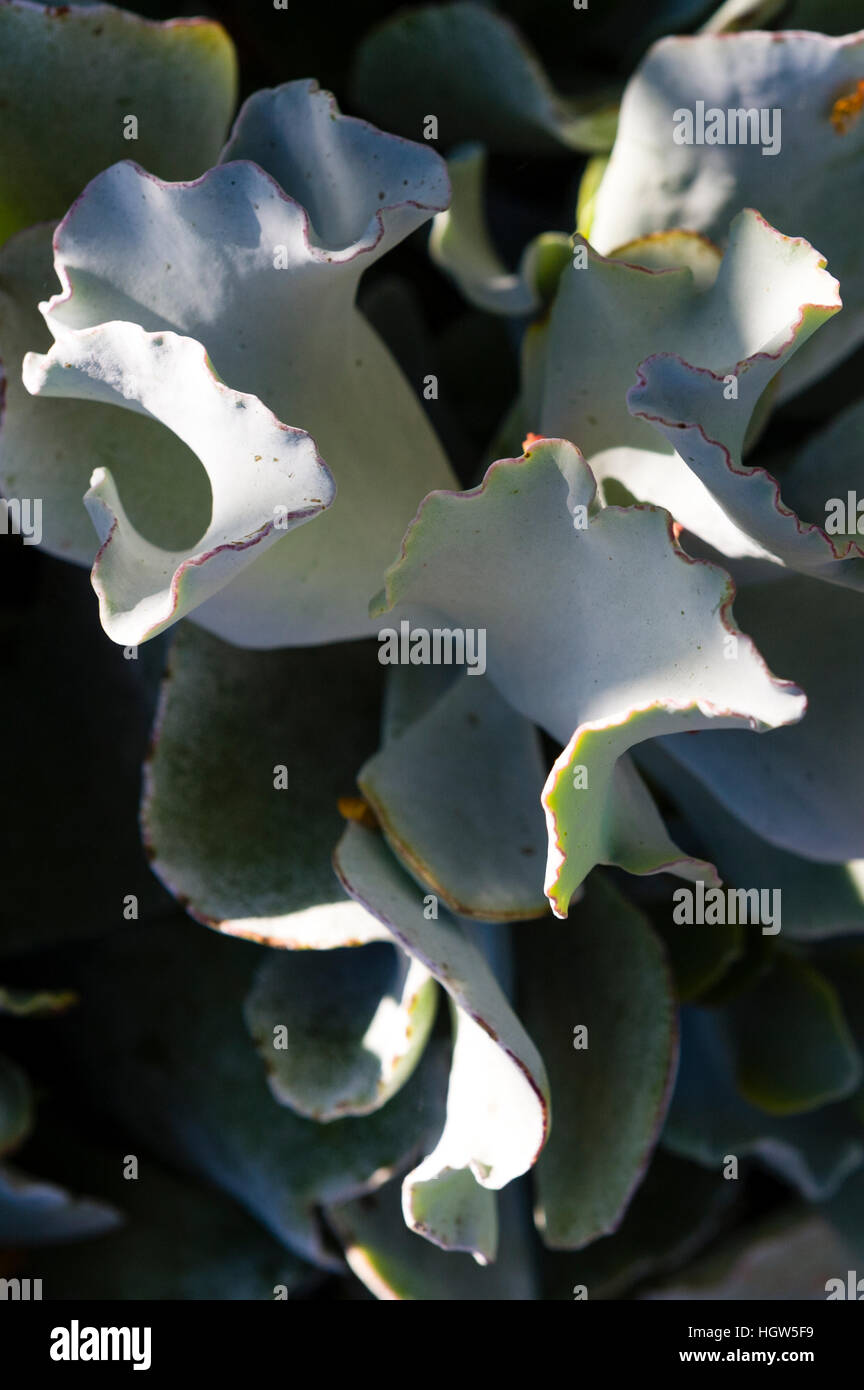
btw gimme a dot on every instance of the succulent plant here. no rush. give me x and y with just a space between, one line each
556 721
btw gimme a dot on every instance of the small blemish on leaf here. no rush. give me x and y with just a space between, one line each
357 808
847 109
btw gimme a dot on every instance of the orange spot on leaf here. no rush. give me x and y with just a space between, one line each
357 808
847 109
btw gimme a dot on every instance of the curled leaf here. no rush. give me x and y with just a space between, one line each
340 1031
789 83
498 1102
265 477
274 311
531 529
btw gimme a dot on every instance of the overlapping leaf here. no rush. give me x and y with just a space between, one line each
397 1267
498 1099
710 1122
242 852
789 1071
596 994
263 277
794 84
715 334
788 1256
72 76
457 796
174 1064
676 1210
340 1031
471 69
34 1212
598 688
461 245
175 1239
819 900
801 789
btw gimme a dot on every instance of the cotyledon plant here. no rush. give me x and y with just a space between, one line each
267 474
